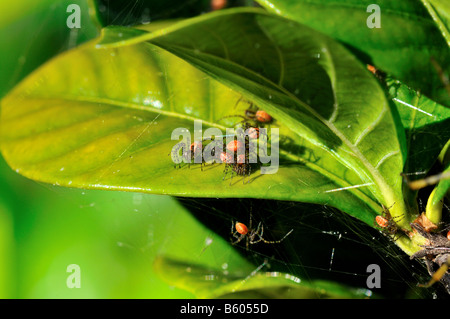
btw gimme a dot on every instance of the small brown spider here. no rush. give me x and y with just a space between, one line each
241 231
436 253
386 222
253 115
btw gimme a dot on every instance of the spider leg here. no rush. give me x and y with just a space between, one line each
244 119
248 175
235 235
238 101
256 241
225 170
257 233
231 179
397 235
238 240
260 226
277 241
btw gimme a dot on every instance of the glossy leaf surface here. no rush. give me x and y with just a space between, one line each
407 39
107 123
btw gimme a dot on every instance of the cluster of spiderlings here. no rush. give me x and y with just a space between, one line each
240 164
236 154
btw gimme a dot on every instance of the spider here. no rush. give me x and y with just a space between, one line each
380 75
386 222
253 116
260 116
253 236
437 254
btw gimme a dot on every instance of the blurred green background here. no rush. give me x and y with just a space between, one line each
114 237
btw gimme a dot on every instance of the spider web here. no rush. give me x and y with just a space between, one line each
325 244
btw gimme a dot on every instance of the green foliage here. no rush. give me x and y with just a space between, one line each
101 116
404 45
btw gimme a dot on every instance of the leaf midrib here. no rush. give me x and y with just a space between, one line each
331 176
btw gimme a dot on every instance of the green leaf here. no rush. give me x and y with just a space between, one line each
145 11
427 126
256 283
404 45
107 122
312 90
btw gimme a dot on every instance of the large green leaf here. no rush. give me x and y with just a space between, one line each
409 37
107 122
319 90
212 283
